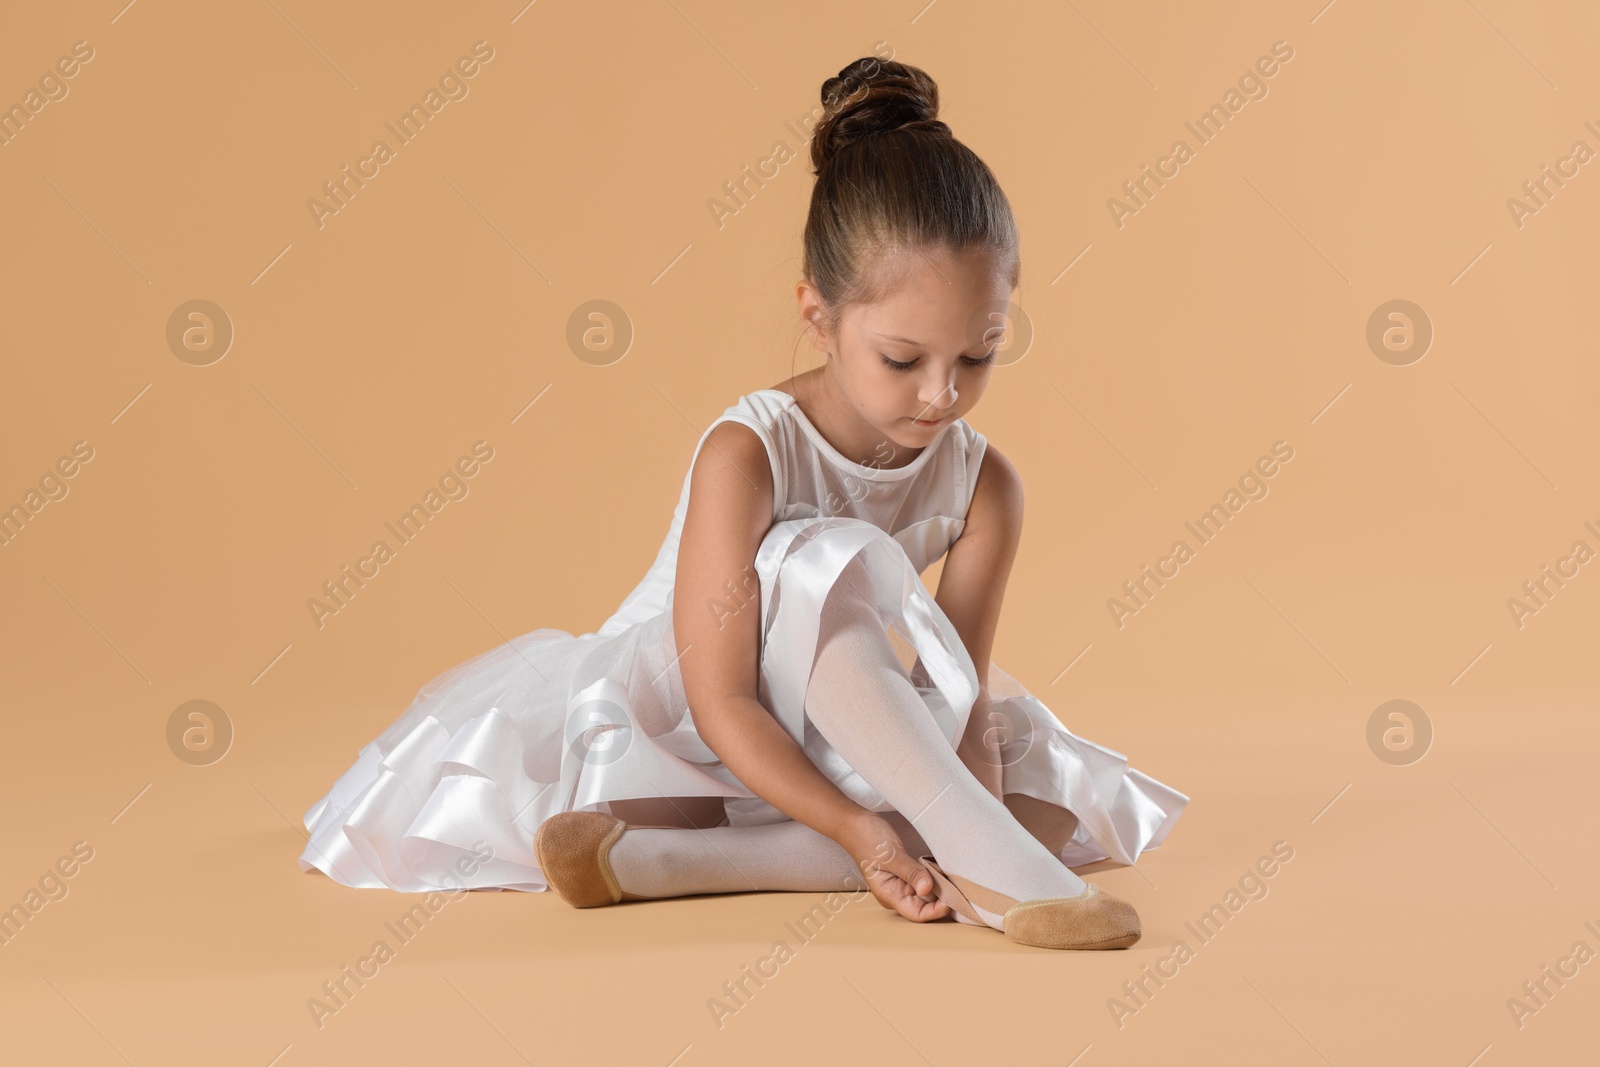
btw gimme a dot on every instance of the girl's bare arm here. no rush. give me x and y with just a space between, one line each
730 511
972 586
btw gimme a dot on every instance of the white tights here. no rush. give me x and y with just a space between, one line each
862 701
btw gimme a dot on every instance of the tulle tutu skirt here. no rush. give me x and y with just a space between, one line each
552 721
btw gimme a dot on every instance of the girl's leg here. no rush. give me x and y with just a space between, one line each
652 863
862 701
655 862
702 857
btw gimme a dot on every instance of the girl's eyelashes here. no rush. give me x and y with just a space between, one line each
895 364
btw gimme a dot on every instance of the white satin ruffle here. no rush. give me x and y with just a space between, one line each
552 722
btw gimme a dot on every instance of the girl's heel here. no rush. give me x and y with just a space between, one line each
574 852
573 849
1094 919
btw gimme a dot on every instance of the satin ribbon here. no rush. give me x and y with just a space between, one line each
804 573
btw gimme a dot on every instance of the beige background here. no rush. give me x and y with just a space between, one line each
1227 314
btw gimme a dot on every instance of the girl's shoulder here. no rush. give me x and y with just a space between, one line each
761 407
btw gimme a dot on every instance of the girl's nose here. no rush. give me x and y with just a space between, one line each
939 394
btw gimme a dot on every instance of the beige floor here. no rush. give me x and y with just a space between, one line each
1418 900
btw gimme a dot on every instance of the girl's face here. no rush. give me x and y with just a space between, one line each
920 358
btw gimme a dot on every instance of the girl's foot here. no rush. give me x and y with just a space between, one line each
1093 919
573 848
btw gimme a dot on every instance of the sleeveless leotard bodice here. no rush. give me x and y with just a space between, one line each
922 504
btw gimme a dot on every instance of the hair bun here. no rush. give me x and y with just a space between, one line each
874 96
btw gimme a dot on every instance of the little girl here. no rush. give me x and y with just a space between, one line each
744 721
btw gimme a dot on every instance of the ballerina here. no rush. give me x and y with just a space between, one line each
744 720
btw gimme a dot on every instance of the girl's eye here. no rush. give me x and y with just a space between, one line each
987 359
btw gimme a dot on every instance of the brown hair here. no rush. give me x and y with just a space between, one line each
891 180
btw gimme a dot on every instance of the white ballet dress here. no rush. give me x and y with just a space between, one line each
551 721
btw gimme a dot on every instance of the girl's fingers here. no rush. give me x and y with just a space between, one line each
912 906
904 886
893 893
913 874
917 878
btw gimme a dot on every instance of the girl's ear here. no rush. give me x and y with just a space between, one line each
813 316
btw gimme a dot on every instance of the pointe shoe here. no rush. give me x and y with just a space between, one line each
573 849
1094 919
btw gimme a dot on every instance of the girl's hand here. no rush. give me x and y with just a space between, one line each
898 882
